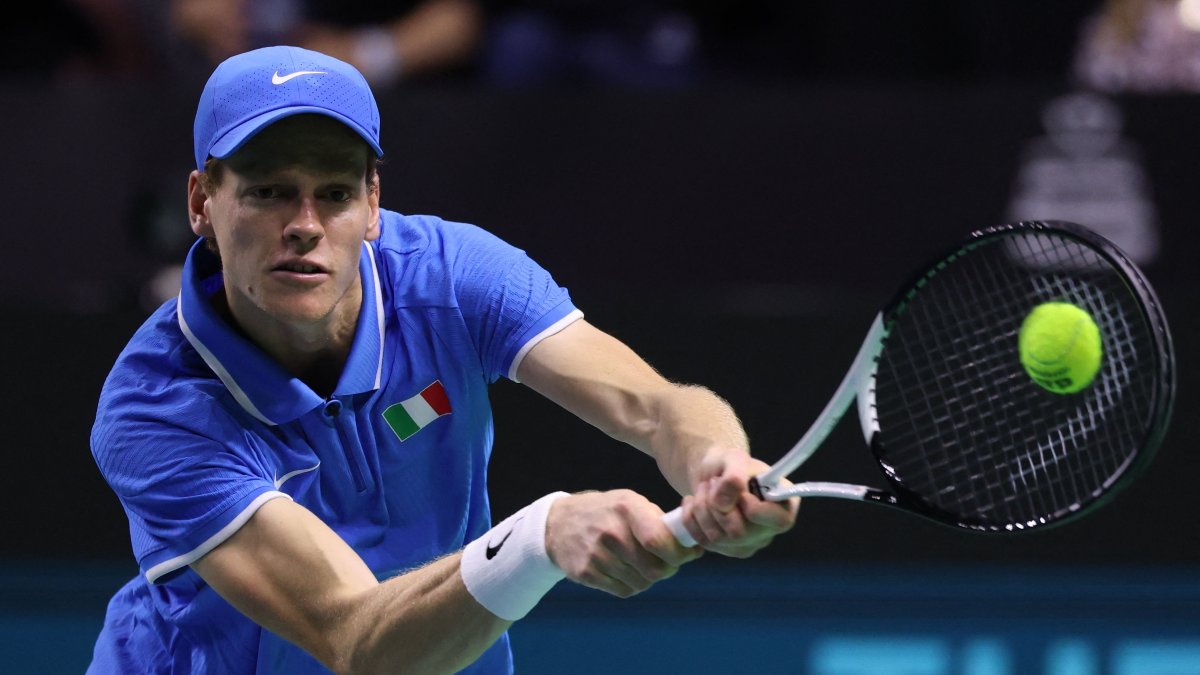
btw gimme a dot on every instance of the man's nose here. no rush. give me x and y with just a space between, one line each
305 225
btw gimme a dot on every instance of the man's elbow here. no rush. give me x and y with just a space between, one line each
342 642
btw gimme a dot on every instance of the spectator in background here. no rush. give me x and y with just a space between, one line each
1141 46
66 38
387 41
649 43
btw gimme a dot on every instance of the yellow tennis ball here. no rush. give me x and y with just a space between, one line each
1060 347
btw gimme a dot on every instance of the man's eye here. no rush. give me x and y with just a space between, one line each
264 193
339 195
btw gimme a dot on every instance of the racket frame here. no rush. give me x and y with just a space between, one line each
858 384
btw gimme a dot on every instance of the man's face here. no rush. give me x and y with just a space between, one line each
289 216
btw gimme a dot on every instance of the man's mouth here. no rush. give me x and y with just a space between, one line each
300 268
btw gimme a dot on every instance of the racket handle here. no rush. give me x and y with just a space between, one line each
674 522
674 518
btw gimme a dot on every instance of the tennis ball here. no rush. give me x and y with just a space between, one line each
1060 347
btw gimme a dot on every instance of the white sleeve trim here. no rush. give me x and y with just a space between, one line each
167 566
217 367
379 316
550 330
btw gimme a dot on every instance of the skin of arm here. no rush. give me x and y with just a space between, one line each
435 35
692 434
290 573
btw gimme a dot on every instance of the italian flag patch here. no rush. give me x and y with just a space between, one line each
410 416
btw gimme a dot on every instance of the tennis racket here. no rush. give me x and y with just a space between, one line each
961 432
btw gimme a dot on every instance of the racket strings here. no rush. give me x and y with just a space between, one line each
957 479
963 426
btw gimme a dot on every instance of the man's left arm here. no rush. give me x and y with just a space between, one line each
692 433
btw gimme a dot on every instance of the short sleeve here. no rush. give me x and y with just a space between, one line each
184 491
508 301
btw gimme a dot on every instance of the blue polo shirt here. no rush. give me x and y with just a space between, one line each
196 428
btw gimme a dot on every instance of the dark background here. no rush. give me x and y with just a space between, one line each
738 232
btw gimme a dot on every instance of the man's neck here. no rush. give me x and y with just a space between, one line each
316 354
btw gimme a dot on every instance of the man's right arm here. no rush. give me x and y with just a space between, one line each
290 573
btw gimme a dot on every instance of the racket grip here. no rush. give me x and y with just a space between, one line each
674 522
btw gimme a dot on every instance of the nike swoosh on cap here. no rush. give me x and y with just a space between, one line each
292 474
280 79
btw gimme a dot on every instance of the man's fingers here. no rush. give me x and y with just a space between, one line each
632 564
594 578
740 531
726 491
777 516
731 520
718 523
616 564
623 547
701 518
660 545
639 564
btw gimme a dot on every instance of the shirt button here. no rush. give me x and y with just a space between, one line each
333 408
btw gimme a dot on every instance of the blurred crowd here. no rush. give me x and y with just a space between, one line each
512 42
1141 46
1102 47
1106 45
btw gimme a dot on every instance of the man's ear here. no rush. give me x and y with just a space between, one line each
198 206
373 204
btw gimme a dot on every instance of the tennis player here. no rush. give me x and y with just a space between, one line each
300 439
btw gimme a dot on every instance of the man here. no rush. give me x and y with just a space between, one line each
306 428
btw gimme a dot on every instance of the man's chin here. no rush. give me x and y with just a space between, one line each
302 315
298 308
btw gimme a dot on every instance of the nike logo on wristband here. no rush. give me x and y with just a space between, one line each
491 551
280 79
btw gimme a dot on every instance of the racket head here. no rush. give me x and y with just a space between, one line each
963 435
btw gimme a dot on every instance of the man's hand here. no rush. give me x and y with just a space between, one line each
613 541
725 517
692 434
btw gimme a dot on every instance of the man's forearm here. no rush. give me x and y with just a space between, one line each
449 612
694 427
422 622
291 574
599 379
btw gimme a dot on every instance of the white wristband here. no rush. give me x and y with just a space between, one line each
508 570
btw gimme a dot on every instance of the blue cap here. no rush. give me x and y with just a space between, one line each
249 91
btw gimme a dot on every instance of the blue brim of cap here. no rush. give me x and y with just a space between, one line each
236 137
